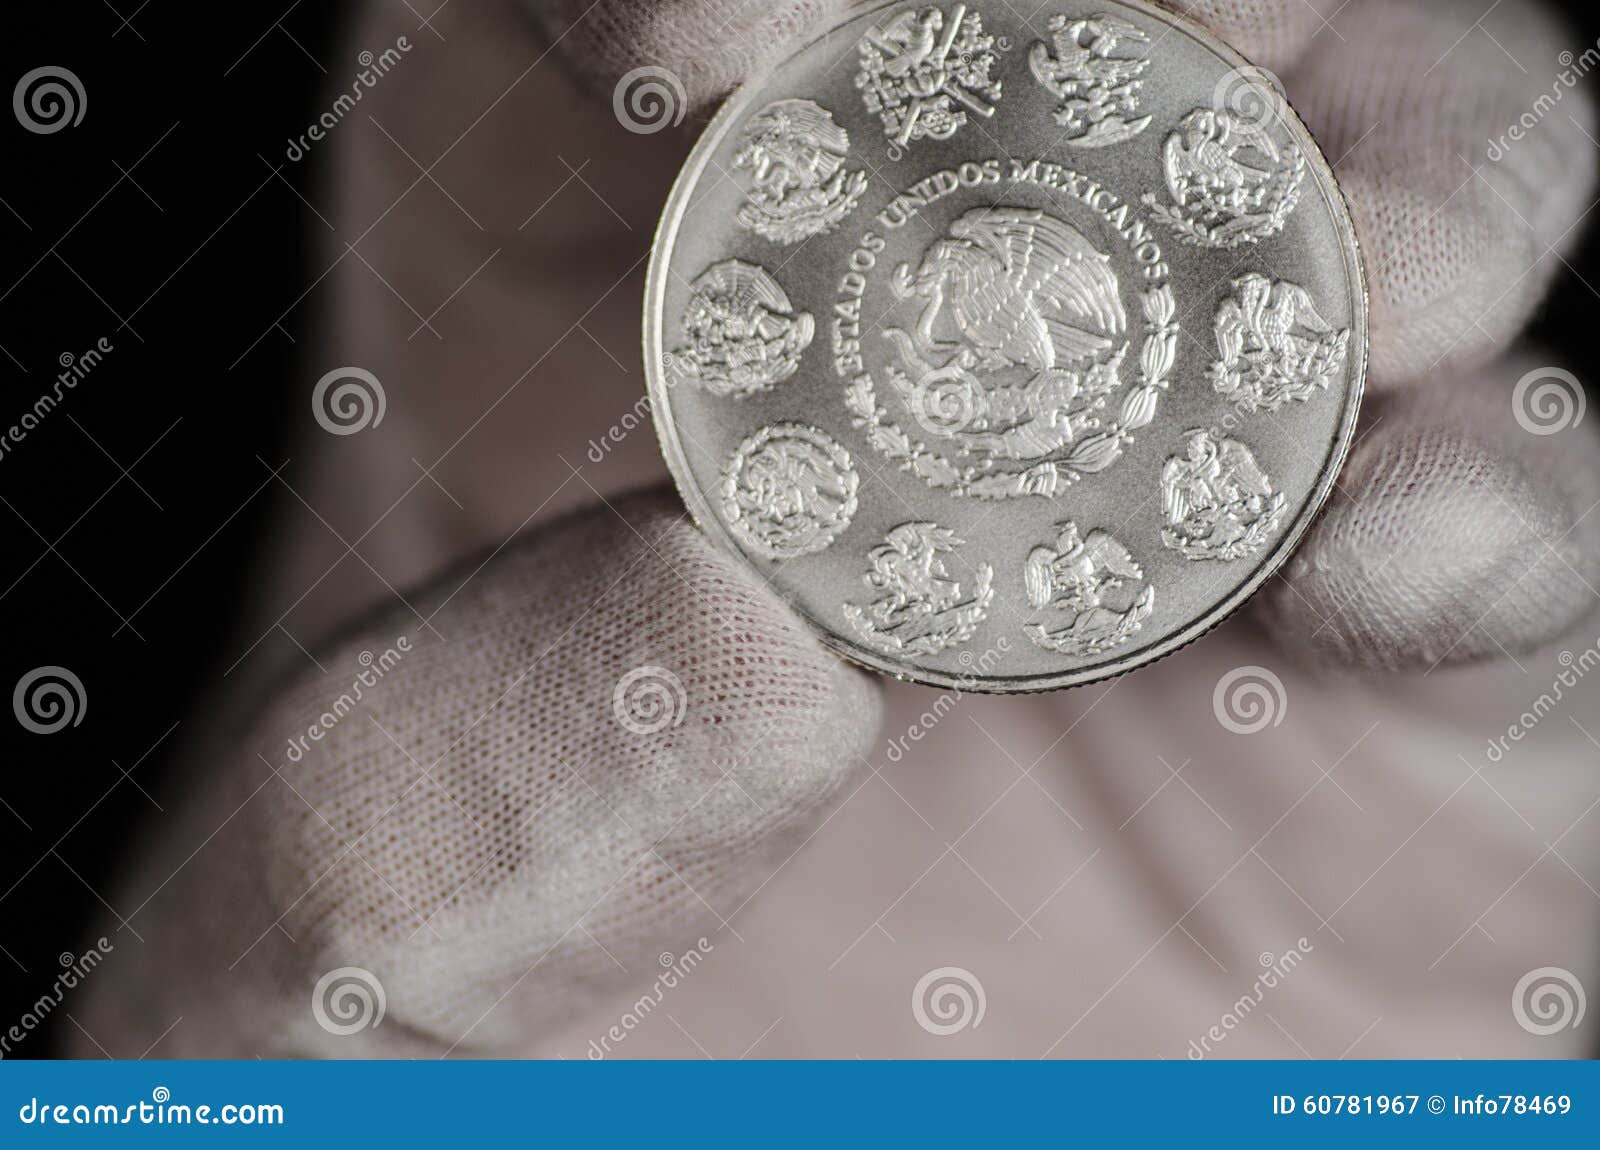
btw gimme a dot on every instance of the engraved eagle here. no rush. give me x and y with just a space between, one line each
1078 571
1099 89
1212 481
1022 289
1202 157
1267 314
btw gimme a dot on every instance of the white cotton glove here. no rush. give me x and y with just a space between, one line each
482 837
604 740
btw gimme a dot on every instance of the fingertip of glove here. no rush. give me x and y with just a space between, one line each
704 48
1457 534
1272 34
767 693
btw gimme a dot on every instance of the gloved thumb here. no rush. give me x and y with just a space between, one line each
615 739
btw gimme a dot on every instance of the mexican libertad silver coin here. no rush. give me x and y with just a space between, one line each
1014 351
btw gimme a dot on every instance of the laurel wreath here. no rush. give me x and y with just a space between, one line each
1127 625
1255 537
1093 453
964 620
1208 227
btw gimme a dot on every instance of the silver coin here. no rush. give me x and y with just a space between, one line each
1013 350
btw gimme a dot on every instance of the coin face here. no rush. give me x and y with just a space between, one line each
1014 350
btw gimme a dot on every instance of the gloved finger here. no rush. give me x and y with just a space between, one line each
607 738
1466 525
1273 34
1465 144
710 46
707 46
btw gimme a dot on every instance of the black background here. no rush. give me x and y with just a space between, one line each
133 514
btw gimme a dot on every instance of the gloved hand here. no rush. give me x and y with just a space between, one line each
496 834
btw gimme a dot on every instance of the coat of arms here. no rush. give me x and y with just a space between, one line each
1273 347
789 491
1215 499
1018 345
1098 90
919 609
1233 178
924 71
1091 587
800 187
743 335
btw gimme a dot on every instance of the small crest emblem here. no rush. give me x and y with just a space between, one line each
924 71
1093 592
1233 177
1099 91
1273 347
789 490
743 335
919 609
799 186
1216 501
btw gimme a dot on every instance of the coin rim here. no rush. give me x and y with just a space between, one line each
704 515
